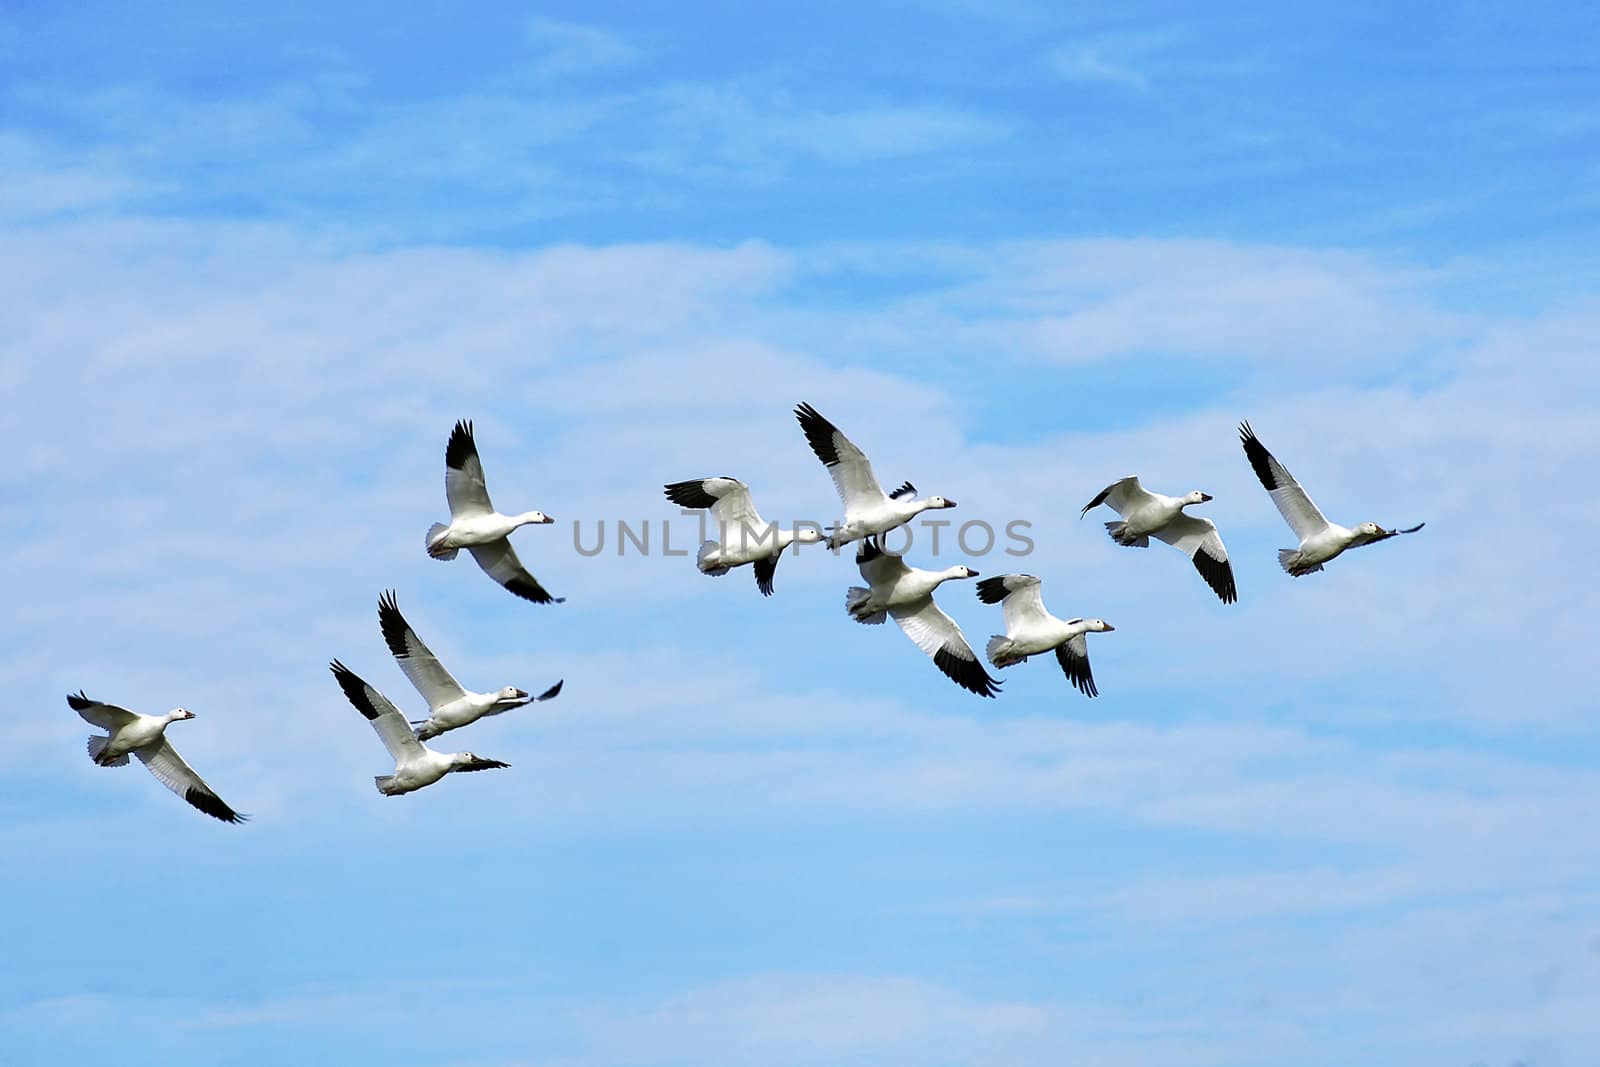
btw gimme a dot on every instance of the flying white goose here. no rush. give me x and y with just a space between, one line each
1031 630
868 510
145 736
1320 540
415 764
907 594
449 705
476 526
743 536
1146 514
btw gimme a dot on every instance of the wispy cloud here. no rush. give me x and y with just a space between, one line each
1110 59
310 147
563 48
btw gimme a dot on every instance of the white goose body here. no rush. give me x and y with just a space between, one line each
1030 630
875 517
1320 540
906 594
145 736
904 586
450 704
868 510
742 535
476 526
466 531
141 731
415 764
1146 515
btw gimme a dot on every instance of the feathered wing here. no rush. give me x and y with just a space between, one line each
108 717
1020 599
463 474
878 567
852 475
694 493
478 763
391 726
1074 659
766 569
1198 539
728 500
1292 501
1123 496
499 561
171 771
420 666
937 634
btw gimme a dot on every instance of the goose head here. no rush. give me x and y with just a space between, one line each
535 518
512 697
179 714
938 502
1196 497
1100 626
807 535
1367 533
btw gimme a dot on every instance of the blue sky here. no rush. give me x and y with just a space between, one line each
256 265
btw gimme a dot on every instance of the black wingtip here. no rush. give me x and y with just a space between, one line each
355 690
967 673
906 490
1099 499
1077 670
868 550
533 592
461 445
690 494
552 692
992 590
212 805
393 625
819 433
1218 574
79 701
480 764
1260 458
766 570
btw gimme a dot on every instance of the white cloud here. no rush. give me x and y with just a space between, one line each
564 48
327 146
794 1019
1109 59
1091 300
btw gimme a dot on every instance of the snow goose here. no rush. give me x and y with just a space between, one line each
907 594
868 510
743 536
1320 540
1031 630
1146 514
476 526
415 764
449 705
145 736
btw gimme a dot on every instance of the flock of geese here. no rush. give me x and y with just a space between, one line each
893 590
